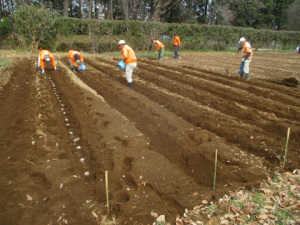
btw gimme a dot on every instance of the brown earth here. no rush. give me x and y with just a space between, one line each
157 142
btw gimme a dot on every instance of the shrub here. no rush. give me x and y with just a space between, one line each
37 26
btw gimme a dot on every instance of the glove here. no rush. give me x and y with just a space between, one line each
56 68
43 71
243 59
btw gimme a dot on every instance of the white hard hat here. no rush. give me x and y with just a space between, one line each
121 42
47 58
242 39
298 49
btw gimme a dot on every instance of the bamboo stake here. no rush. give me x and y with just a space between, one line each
107 191
286 146
215 169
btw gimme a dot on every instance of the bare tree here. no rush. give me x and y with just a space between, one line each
161 8
137 9
220 14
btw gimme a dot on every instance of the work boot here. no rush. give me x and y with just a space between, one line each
73 69
242 75
130 85
248 77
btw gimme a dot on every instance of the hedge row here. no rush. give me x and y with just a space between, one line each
105 34
193 36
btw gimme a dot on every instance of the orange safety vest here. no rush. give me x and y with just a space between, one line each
158 45
128 55
42 55
247 49
71 56
177 41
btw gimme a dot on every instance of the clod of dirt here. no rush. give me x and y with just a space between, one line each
290 82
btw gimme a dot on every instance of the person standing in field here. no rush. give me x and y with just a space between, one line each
76 60
130 60
46 56
246 59
160 48
177 45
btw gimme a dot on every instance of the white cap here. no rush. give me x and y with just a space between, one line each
47 58
242 39
121 42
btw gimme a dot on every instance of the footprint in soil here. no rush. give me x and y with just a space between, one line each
202 138
127 164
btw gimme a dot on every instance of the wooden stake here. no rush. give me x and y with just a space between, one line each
286 146
215 169
107 191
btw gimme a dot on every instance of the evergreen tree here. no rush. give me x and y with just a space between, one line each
279 12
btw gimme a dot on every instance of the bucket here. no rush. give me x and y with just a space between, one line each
121 65
81 67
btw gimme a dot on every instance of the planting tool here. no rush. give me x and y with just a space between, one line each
233 63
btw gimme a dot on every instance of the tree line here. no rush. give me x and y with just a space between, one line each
259 14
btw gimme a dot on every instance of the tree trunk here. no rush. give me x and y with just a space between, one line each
125 9
111 10
2 9
90 8
66 8
161 8
80 9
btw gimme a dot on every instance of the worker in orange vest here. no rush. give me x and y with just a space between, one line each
76 60
160 48
246 59
130 60
176 44
46 56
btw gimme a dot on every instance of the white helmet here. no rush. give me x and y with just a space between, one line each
242 39
121 42
47 58
298 49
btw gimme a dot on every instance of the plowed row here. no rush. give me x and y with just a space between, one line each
61 131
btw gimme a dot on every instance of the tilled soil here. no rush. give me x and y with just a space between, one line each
61 131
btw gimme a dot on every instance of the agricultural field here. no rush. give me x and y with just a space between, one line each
61 131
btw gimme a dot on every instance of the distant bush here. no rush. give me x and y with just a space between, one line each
5 28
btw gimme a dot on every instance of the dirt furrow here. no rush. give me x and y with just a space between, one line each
61 132
215 124
131 153
258 85
209 82
146 124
